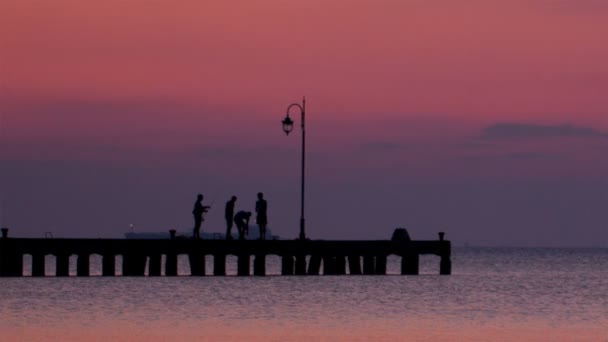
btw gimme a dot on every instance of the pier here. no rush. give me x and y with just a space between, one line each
298 257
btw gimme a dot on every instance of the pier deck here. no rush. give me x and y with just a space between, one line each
298 257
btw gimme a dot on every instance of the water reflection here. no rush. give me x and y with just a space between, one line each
493 294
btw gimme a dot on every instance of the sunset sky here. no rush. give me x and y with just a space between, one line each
485 119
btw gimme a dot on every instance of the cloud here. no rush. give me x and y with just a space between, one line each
522 131
518 156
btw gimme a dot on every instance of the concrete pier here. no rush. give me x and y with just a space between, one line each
308 257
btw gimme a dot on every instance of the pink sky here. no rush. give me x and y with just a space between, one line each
399 92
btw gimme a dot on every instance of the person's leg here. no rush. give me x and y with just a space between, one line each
239 227
228 229
196 234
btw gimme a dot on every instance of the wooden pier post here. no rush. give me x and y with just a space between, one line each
287 265
197 263
314 265
38 265
243 265
368 265
126 266
340 265
380 264
11 263
133 265
354 264
82 265
62 262
445 266
171 265
155 266
259 265
108 265
219 265
301 265
410 264
329 265
18 272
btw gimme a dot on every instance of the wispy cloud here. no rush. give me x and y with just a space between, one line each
517 156
521 131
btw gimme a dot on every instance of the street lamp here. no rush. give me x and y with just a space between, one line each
287 128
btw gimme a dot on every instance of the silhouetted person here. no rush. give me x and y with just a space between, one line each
199 216
229 214
241 219
260 208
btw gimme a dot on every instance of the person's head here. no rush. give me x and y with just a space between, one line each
260 195
233 198
199 197
248 214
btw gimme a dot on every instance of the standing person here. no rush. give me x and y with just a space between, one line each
260 208
241 219
229 214
199 213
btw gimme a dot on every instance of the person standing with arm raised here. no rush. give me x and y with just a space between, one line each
199 216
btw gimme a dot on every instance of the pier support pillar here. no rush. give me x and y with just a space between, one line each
287 265
368 265
259 265
445 266
381 264
62 262
108 265
243 265
133 265
171 265
155 267
82 265
340 265
38 265
410 264
314 265
301 265
354 265
11 263
197 264
219 265
329 265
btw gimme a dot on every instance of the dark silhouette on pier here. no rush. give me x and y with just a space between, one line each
199 216
241 219
298 257
261 207
229 215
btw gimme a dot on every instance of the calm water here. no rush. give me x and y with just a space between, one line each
494 294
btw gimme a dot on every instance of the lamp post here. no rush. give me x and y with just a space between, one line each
287 128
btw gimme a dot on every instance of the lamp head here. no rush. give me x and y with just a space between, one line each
287 125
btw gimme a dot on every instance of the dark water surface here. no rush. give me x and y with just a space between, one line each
494 294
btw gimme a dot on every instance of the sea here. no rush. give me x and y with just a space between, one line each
493 294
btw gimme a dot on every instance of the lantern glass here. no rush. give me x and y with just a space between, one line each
287 125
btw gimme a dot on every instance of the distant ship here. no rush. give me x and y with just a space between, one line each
254 234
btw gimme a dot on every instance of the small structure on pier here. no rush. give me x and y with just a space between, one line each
299 257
